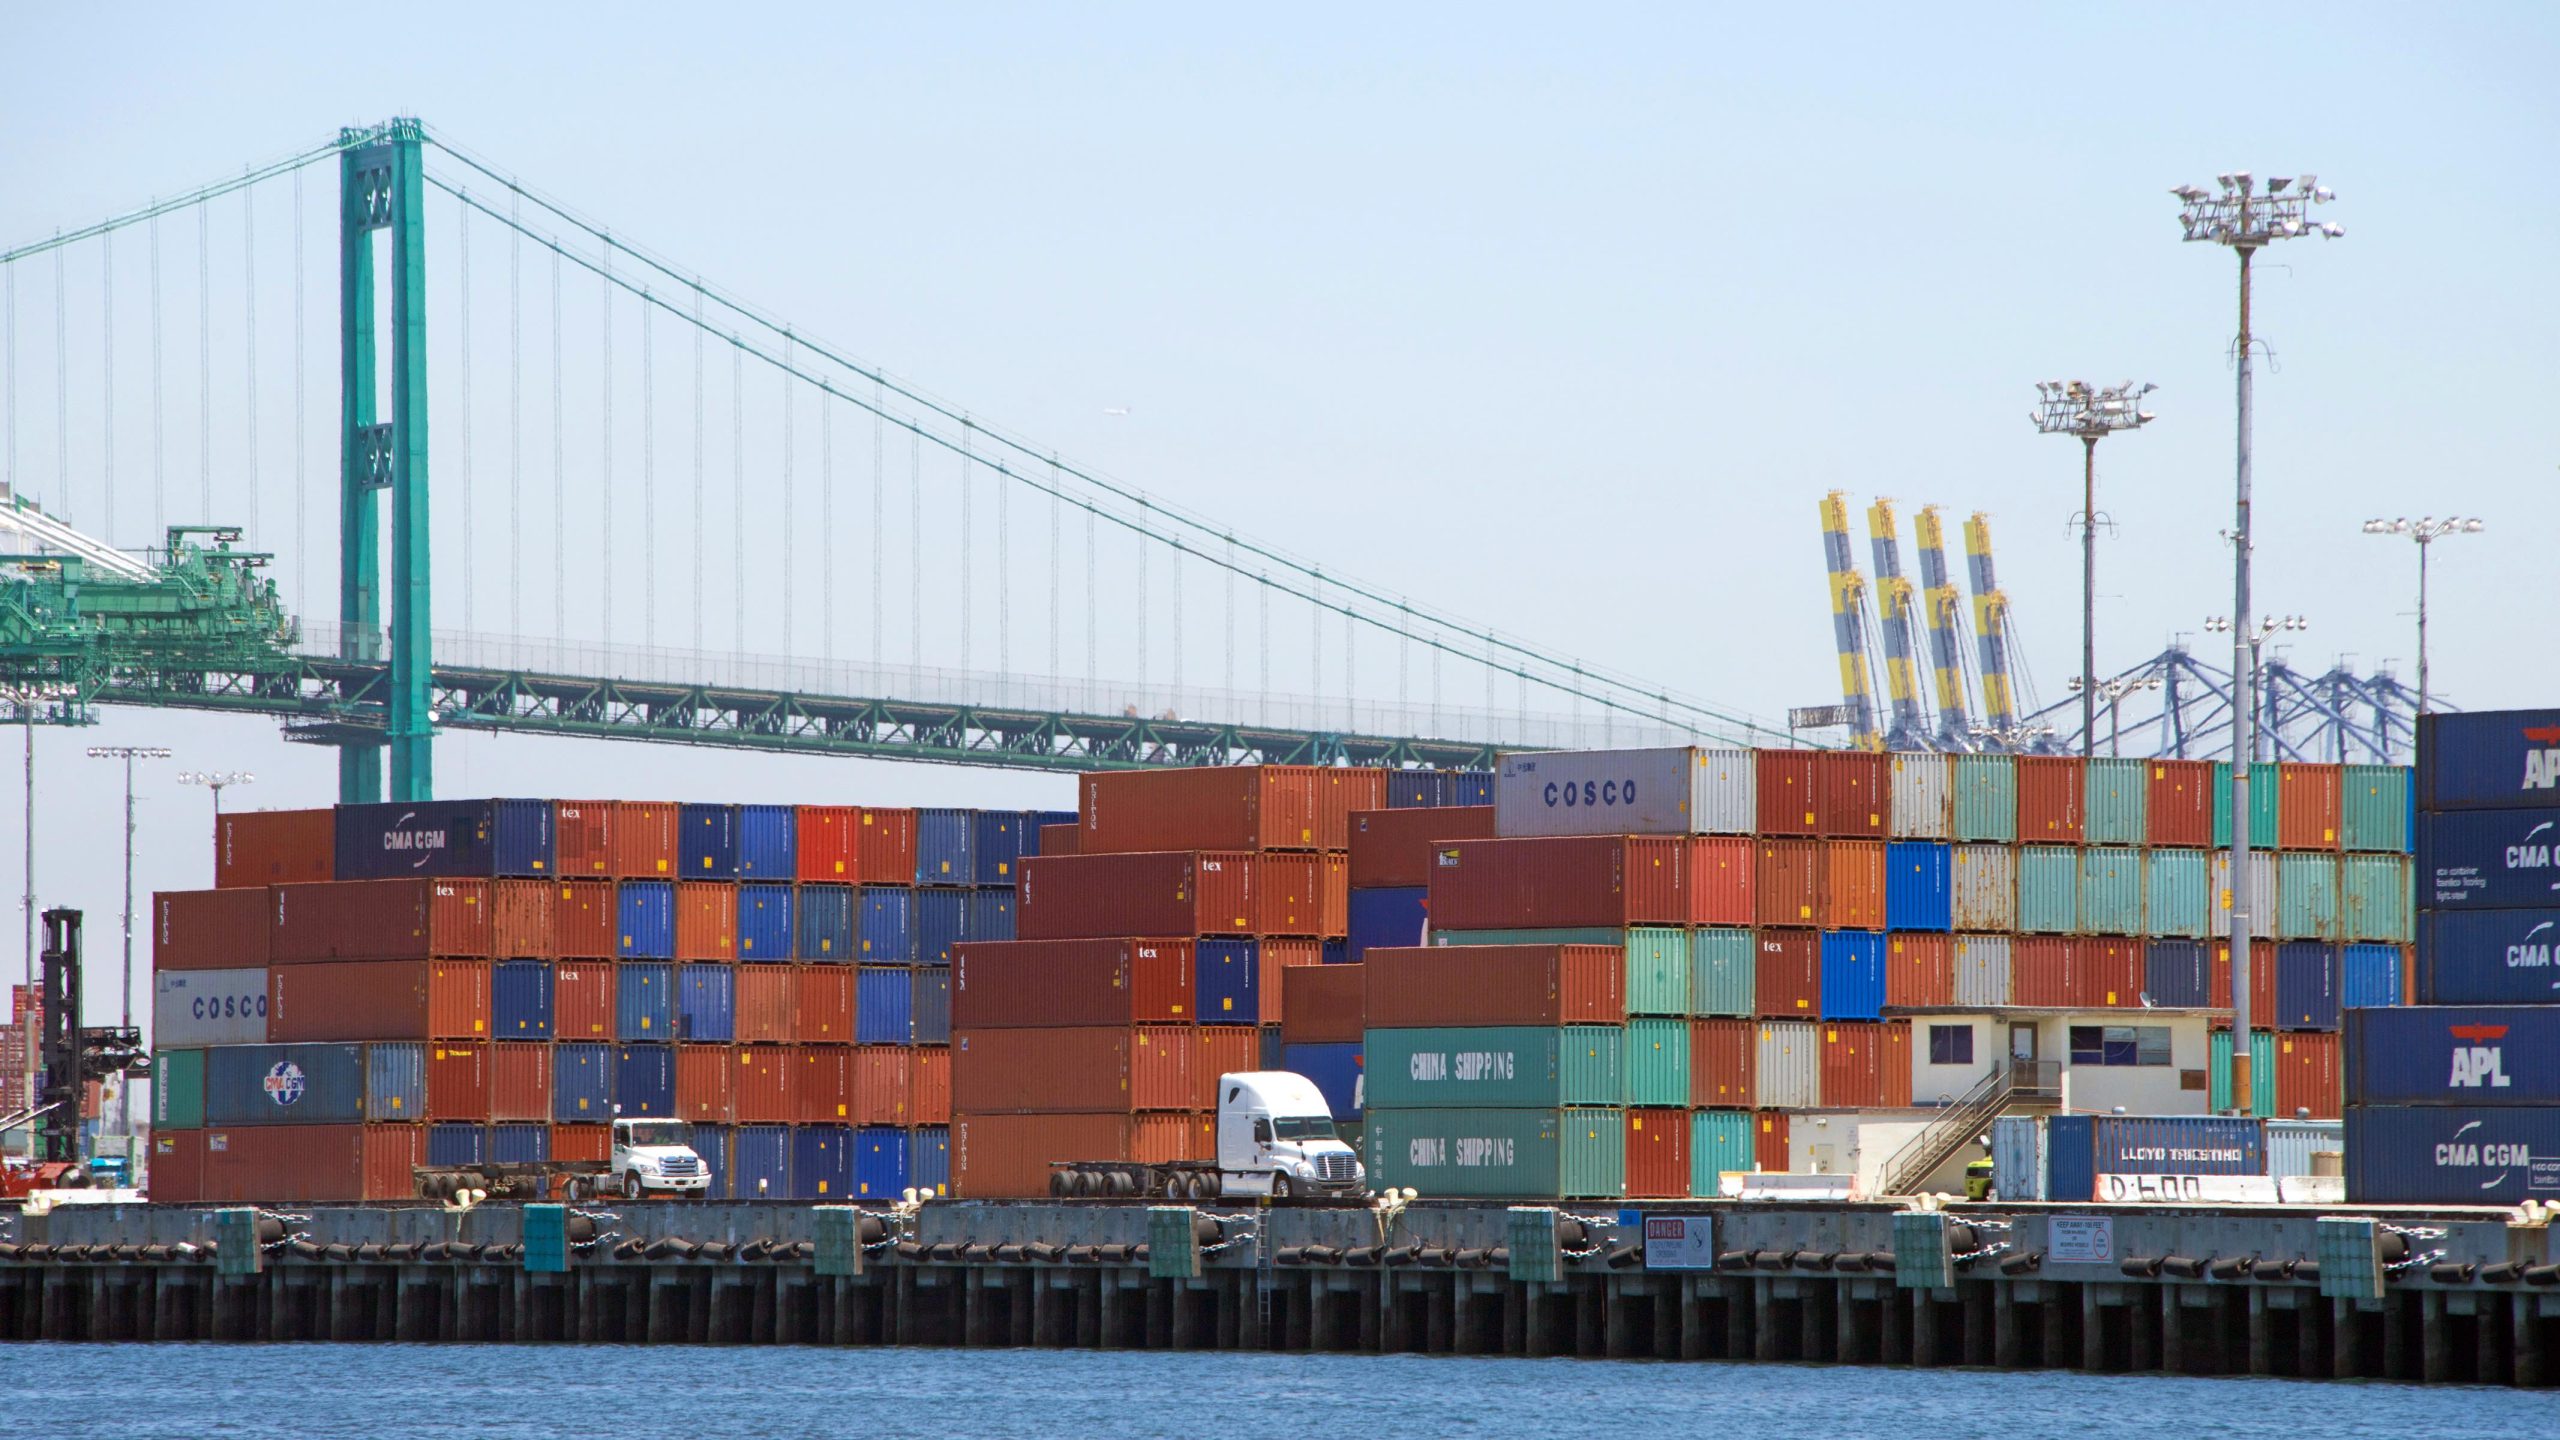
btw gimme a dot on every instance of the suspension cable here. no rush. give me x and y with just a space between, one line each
559 469
470 527
204 365
515 427
738 498
301 417
699 335
648 480
879 482
197 196
159 438
915 553
107 381
826 525
790 541
968 544
606 541
249 331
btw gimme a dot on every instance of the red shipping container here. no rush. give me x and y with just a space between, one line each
457 1082
1324 1004
2041 972
520 919
825 1084
2178 808
177 1167
702 1084
1769 1141
1786 974
2307 807
209 929
582 838
378 920
378 1000
887 849
764 1000
582 1000
641 838
1277 957
1168 1138
1722 1057
1065 1071
1866 1065
1221 1050
1565 881
822 1004
1787 882
2262 981
762 1090
1919 970
1058 839
1852 793
706 920
256 848
1226 807
1429 986
884 1083
1785 790
1014 984
1002 1156
1333 880
2052 791
1075 897
1852 884
2309 1077
585 919
1657 1154
929 1073
1288 895
829 838
2107 972
582 1142
1722 869
520 1080
1392 848
269 1164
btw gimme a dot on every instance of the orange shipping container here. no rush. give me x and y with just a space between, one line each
1784 784
520 919
2178 808
584 919
1657 1154
1228 807
883 1085
826 1084
1852 884
929 1079
1787 882
2309 1077
1083 1069
254 848
1004 1156
2052 796
378 920
1288 895
267 1164
2307 807
1278 957
582 838
1324 1004
209 929
1721 869
2107 972
582 1000
1391 848
1173 1137
2041 972
581 1142
177 1167
1852 793
1919 970
2262 980
706 920
1722 1057
1333 881
764 1004
1769 1141
822 1004
1058 839
1428 986
702 1084
760 1092
378 1000
520 1080
887 849
829 841
1221 1050
641 836
458 1082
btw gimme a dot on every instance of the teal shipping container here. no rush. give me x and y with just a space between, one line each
2264 805
1719 1141
2049 889
1721 971
2177 893
1986 801
1658 976
2262 1072
2306 895
2115 801
1496 1067
2373 898
2110 891
1657 1062
2373 806
1523 1154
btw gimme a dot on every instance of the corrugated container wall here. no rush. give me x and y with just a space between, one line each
2049 889
827 844
2486 759
1719 1144
1923 801
1599 880
2179 808
2488 957
2116 796
1723 966
2052 799
1787 1070
274 847
2442 1155
1919 886
193 1008
1986 799
582 837
2111 891
2177 893
2307 814
768 843
1986 887
1394 848
1783 782
1982 970
824 925
707 842
1787 973
1853 794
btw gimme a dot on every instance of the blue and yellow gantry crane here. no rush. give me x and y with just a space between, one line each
1990 630
1849 623
1943 603
1895 603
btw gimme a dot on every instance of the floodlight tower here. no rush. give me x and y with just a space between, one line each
2074 407
2425 531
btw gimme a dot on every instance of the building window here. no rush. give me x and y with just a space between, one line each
1950 1044
2119 1044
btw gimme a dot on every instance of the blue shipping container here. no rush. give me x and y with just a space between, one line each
516 1144
879 1162
1335 952
1425 789
1386 916
2369 975
990 913
931 1006
884 1005
429 838
1226 977
2488 760
1852 975
711 1142
707 842
581 1083
2489 957
707 1003
995 846
760 1162
2488 859
821 1162
2306 986
888 925
644 1081
2178 974
520 1000
929 1156
1919 886
822 916
1335 1069
395 1081
2451 1155
648 919
764 922
284 1085
942 922
943 847
2080 1148
769 843
2454 1055
454 1144
644 1002
1470 787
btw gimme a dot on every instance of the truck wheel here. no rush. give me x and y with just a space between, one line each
631 1186
1280 1187
1204 1187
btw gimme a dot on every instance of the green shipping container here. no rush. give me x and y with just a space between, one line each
1494 1067
1722 964
177 1090
2264 805
2177 893
2306 896
2116 795
1986 798
1657 1062
1719 1141
2111 891
2049 889
1561 1154
2262 1073
1658 974
2374 808
2373 897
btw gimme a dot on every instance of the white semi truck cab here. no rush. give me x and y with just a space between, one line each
653 1157
1275 1138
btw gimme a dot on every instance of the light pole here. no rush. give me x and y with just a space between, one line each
216 781
128 754
2424 531
2113 692
2074 407
2246 220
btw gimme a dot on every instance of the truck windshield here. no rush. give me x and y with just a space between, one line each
658 1132
1303 1127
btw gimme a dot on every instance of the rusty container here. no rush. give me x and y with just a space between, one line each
1430 987
257 848
1561 882
1787 882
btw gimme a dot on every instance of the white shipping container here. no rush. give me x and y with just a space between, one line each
1924 796
1982 970
191 1009
1789 1066
1985 878
1675 791
2262 892
2018 1157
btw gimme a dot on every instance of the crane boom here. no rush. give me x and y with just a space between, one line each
1943 602
1849 621
1990 625
1895 604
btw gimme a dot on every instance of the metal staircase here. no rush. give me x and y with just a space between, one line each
1964 1119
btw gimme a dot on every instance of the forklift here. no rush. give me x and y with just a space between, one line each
71 1055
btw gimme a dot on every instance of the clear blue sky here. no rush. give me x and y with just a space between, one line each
1565 324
